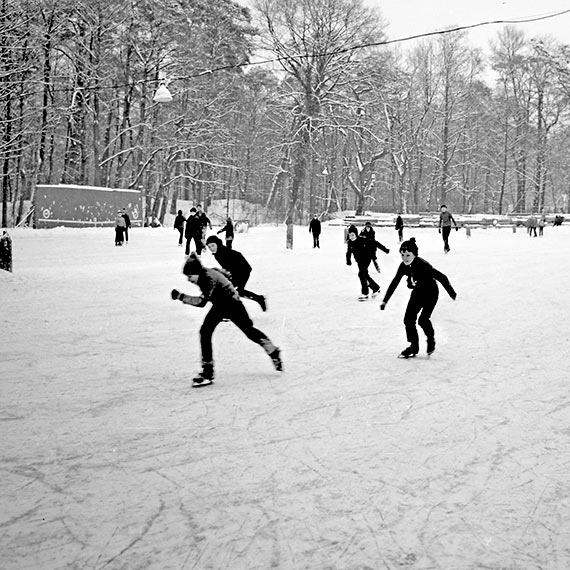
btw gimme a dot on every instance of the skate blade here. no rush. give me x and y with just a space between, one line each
202 384
406 357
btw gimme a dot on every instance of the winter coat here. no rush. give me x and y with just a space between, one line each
216 288
399 223
229 229
193 227
233 262
315 227
125 217
363 249
421 278
179 221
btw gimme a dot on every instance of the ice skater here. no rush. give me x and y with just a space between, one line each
445 220
238 268
229 230
194 232
315 229
399 227
226 304
422 280
369 233
362 249
179 222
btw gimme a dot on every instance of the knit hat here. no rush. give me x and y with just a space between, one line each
410 245
192 265
214 239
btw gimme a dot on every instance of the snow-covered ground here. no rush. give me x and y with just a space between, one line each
351 459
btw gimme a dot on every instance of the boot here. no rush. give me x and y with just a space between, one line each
205 377
276 358
409 352
430 345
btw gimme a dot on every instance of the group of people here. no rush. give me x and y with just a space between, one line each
224 287
122 225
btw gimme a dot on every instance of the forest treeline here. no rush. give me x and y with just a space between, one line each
293 104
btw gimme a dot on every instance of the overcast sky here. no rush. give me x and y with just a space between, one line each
411 17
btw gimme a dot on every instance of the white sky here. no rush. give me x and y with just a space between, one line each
411 17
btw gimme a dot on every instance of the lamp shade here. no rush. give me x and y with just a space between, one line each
162 94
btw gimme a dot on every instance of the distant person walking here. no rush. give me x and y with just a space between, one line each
422 280
315 229
179 222
194 232
119 228
399 227
238 268
445 221
127 224
229 229
226 304
362 251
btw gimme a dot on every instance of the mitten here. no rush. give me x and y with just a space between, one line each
439 230
176 295
382 306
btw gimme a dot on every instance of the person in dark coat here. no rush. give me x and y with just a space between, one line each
127 225
362 250
238 268
119 228
399 227
229 229
369 233
193 231
226 304
422 280
203 220
315 229
179 222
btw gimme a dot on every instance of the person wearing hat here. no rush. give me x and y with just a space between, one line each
226 304
422 280
193 231
119 228
362 249
238 268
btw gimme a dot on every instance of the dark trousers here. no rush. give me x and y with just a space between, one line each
316 241
181 232
239 284
445 231
365 280
424 302
401 234
197 241
236 313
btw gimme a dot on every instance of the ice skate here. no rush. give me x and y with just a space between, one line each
205 377
430 346
262 302
375 293
276 358
362 297
409 352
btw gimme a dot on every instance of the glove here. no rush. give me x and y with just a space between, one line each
176 295
382 305
439 230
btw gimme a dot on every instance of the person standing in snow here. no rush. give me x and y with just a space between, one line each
238 268
315 229
119 228
226 304
362 250
399 227
127 224
179 222
422 280
229 229
445 220
203 220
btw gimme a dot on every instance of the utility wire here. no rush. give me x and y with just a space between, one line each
326 53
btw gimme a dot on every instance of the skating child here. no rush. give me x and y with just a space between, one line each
238 267
226 304
422 280
363 249
369 233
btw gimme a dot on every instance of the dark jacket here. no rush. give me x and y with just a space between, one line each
233 262
421 278
228 228
193 227
127 220
315 227
216 289
179 221
363 249
399 223
203 220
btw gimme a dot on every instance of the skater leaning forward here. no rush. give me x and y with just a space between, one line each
422 280
226 304
364 251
